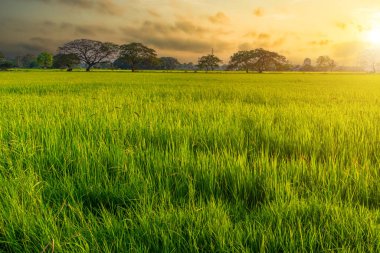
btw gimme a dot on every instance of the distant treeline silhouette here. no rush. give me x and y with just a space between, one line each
136 56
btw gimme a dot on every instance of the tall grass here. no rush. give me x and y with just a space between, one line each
150 162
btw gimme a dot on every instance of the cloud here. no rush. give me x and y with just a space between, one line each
258 12
183 35
180 44
352 25
80 30
251 35
341 25
179 28
263 36
263 43
189 27
26 36
154 13
258 36
360 28
279 42
219 18
320 42
108 7
36 45
348 49
257 44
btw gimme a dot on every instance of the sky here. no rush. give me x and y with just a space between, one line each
188 29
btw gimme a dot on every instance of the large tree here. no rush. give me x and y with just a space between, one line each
45 60
242 60
267 60
134 54
258 59
209 62
2 57
67 61
90 52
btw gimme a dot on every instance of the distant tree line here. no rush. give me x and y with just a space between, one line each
135 56
323 63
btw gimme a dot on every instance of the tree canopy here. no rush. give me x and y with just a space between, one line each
259 59
96 54
65 61
325 63
90 52
45 60
168 63
29 61
209 62
4 64
242 60
134 54
306 66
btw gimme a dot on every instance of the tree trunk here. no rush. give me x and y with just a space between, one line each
88 69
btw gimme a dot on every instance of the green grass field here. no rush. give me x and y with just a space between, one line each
184 162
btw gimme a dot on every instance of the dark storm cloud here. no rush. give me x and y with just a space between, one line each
183 35
161 28
24 36
102 6
80 30
180 44
39 44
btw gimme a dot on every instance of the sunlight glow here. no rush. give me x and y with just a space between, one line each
373 36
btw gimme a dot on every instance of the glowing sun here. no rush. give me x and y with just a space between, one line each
373 36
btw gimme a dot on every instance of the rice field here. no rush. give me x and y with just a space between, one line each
189 162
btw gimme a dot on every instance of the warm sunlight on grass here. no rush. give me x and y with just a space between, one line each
184 162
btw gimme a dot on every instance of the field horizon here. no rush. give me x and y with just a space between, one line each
112 161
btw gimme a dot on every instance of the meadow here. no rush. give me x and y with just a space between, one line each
189 162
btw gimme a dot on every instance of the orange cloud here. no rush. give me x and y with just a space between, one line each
263 36
341 25
258 12
320 43
154 13
219 18
279 42
251 35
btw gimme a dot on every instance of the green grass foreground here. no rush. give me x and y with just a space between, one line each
184 162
